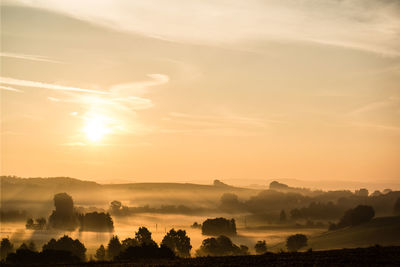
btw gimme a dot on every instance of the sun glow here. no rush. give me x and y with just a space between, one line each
96 128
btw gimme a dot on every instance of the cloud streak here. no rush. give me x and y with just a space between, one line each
12 89
25 83
28 57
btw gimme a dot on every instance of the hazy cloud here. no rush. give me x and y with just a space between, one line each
367 25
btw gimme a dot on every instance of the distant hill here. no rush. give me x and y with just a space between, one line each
23 193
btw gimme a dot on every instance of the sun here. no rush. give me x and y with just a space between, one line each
96 128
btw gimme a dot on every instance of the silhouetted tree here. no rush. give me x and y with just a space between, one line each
6 247
397 206
30 246
195 225
143 236
219 226
114 247
230 203
296 242
260 247
218 183
66 243
129 242
100 253
63 217
356 216
277 185
362 192
178 242
96 222
115 207
220 246
282 216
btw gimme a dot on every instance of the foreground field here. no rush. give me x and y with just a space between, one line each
372 256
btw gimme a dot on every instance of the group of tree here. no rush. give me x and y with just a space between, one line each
352 217
308 205
174 243
219 226
63 250
65 217
118 209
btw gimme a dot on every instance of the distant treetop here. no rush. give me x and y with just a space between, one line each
277 185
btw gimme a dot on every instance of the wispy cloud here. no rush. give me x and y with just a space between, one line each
222 123
367 25
390 102
28 57
139 88
25 83
8 88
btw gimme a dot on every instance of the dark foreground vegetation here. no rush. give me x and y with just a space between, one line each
372 256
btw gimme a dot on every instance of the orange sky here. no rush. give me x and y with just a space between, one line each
197 90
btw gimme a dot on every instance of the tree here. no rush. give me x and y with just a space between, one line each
63 217
220 246
143 236
97 222
397 206
260 247
129 242
100 253
356 216
219 226
282 216
114 247
29 224
6 247
115 207
362 192
30 246
296 242
178 242
66 243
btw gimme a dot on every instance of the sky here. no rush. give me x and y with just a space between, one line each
199 90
